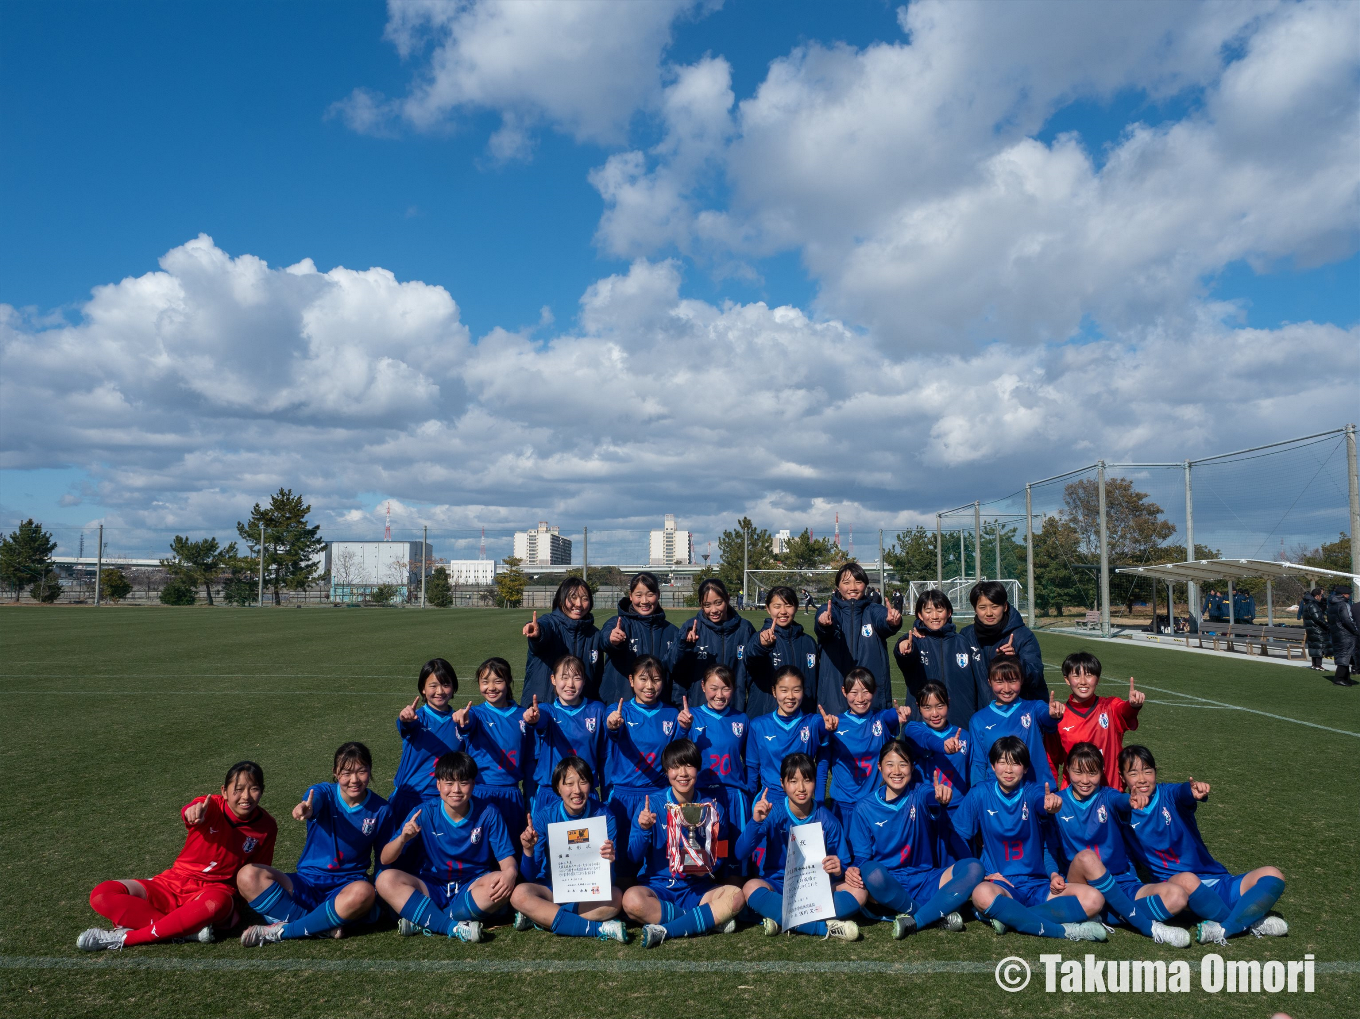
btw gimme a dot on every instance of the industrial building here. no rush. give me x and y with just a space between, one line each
357 567
471 572
542 547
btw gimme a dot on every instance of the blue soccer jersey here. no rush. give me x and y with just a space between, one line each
1165 838
454 851
852 751
897 834
773 737
721 739
423 742
570 732
341 839
1027 719
499 742
649 847
634 758
930 761
766 843
1012 828
1095 824
537 867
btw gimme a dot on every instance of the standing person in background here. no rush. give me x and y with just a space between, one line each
934 651
640 628
809 602
853 631
568 630
998 629
1341 624
715 636
1244 607
1313 612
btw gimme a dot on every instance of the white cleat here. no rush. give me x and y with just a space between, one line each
652 935
521 923
262 934
1270 927
770 927
1165 934
846 930
1210 932
953 923
408 929
1090 930
467 931
613 930
96 939
206 936
730 927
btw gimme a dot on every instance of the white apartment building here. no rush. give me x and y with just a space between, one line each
542 547
471 572
781 541
670 547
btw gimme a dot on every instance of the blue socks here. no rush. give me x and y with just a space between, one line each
318 921
1254 904
768 903
1017 917
695 921
276 905
1205 902
1140 913
570 925
422 912
967 875
885 889
846 905
465 907
1063 909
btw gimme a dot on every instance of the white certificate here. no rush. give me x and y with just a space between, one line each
579 872
807 888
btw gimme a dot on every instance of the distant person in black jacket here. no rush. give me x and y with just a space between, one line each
1313 612
1341 623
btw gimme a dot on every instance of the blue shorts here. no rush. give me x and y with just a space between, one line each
442 894
921 885
734 803
309 894
678 897
1027 889
1227 886
510 802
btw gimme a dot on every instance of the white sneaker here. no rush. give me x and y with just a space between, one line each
1090 930
1270 927
953 923
613 930
96 939
652 935
1210 932
467 931
846 930
1165 934
262 934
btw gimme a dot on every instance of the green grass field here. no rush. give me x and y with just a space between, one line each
113 718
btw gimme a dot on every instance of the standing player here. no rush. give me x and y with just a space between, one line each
766 840
851 752
1166 839
1009 715
568 726
720 734
346 822
679 894
225 832
853 630
428 731
496 733
466 866
640 628
781 642
1091 719
568 630
786 730
715 636
896 851
934 652
1008 812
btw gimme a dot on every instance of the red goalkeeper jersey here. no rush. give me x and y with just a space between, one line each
219 845
1103 722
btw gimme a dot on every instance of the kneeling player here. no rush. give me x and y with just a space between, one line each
346 822
1009 813
1089 824
767 837
574 800
458 834
678 894
896 850
1162 830
225 832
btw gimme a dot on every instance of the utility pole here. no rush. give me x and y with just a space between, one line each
1029 556
977 538
262 565
424 540
1104 560
99 566
1191 588
745 539
585 556
1355 500
939 553
998 549
882 574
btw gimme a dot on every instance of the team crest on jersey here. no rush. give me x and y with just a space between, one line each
867 630
878 731
741 650
805 734
912 815
521 726
368 825
250 843
963 745
812 661
476 836
737 728
1024 810
1024 720
1102 815
594 655
590 725
668 727
1166 815
1104 720
962 659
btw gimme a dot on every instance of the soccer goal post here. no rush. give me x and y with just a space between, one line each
957 590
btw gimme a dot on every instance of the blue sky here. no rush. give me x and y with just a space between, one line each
940 195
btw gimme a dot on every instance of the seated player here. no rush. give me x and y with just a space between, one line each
346 824
897 864
496 735
1093 840
940 752
1164 836
533 900
1087 718
720 734
428 731
766 839
225 832
679 893
1009 715
851 752
456 834
786 730
569 726
1009 814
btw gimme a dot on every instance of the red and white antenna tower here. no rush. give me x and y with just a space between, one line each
387 531
482 554
838 531
852 540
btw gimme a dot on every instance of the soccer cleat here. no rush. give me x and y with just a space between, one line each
408 929
846 930
730 927
467 931
613 930
262 934
770 927
903 924
953 923
1165 934
998 926
206 936
1210 932
1089 930
652 935
1270 927
96 939
521 922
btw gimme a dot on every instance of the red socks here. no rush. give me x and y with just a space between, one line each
111 899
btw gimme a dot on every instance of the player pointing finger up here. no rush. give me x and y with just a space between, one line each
531 628
1136 697
646 818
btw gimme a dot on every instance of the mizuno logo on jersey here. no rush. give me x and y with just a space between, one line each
991 813
250 843
962 659
769 737
1066 817
881 823
634 723
368 824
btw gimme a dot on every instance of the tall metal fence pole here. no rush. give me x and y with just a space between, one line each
998 549
1355 499
262 566
745 564
939 552
977 538
882 573
99 566
1191 588
424 544
1104 560
585 555
1029 556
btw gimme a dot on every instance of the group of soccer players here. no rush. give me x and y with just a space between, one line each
703 750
